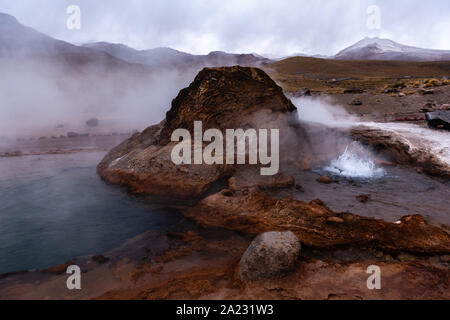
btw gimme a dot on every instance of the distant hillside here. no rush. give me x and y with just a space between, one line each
385 49
167 57
21 43
333 75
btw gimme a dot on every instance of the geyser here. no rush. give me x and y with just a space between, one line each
354 163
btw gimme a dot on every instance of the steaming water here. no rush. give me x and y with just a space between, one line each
430 141
354 164
55 207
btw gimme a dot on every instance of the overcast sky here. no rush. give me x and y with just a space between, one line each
264 26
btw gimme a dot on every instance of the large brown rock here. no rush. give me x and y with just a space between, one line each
222 98
252 212
227 98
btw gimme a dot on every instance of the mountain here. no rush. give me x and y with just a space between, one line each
385 49
168 57
21 43
153 57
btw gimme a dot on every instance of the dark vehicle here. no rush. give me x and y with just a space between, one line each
438 119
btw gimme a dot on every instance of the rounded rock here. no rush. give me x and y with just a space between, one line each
270 255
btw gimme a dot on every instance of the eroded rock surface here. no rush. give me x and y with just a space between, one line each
248 177
252 212
222 98
421 147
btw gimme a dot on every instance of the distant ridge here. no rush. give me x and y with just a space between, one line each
23 43
167 57
20 42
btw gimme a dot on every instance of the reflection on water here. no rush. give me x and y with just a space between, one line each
55 207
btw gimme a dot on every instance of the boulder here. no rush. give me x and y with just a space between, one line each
438 119
270 255
222 98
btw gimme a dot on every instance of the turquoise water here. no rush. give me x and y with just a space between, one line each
55 207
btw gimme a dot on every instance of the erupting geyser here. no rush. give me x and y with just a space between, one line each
354 162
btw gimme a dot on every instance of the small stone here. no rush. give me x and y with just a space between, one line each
388 258
379 254
445 258
304 92
405 257
299 187
100 258
335 220
324 179
356 102
363 198
425 92
227 192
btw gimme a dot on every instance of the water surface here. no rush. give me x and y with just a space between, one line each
55 207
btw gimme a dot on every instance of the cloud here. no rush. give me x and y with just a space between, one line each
263 26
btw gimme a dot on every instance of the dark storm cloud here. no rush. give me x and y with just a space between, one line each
280 27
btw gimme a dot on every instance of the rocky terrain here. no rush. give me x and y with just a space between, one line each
217 96
239 222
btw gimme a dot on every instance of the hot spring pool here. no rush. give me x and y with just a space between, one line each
55 207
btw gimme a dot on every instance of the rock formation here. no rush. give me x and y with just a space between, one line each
405 148
253 212
222 98
238 97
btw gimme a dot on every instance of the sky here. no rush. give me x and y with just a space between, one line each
268 27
